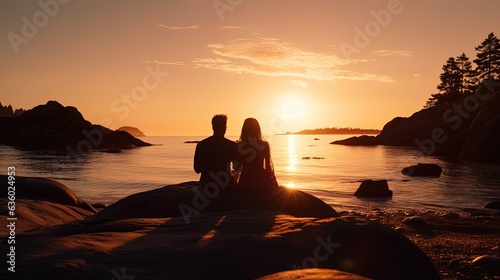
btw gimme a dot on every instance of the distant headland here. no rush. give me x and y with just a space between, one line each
134 131
335 130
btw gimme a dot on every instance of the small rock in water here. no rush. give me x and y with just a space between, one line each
371 188
487 261
414 221
423 170
493 205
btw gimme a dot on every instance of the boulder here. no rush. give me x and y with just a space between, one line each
188 200
229 245
423 170
493 205
34 214
371 188
47 190
415 221
487 262
313 274
53 126
482 143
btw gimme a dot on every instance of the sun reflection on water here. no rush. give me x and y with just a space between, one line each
292 154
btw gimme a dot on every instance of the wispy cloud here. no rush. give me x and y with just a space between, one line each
230 27
166 62
393 53
271 57
300 83
178 27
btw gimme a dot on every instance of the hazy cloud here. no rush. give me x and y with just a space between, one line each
178 27
271 57
230 27
393 53
300 83
166 62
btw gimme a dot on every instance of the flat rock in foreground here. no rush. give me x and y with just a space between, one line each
231 245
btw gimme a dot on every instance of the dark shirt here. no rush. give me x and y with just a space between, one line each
214 154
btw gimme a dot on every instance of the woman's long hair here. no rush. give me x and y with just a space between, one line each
251 127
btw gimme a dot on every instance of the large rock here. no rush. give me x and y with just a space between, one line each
41 202
371 188
423 170
483 141
468 129
53 126
44 189
313 274
34 214
229 245
188 200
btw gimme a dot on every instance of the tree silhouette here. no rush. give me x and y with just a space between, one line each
488 58
468 79
450 86
459 79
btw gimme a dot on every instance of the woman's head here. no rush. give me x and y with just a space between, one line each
251 128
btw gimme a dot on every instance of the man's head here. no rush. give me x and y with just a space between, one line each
219 124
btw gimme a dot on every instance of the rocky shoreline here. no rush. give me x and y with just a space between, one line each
452 240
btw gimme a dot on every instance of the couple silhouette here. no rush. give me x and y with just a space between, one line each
247 162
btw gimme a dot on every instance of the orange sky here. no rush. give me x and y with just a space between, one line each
168 66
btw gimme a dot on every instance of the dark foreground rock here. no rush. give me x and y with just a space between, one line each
53 126
41 202
231 245
468 129
493 205
313 273
423 170
371 188
44 189
220 242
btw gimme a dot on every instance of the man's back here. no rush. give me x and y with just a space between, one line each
214 154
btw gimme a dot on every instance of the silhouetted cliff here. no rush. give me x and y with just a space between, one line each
468 129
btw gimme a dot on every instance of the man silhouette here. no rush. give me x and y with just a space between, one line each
213 155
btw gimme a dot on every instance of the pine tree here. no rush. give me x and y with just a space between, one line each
450 86
467 75
488 58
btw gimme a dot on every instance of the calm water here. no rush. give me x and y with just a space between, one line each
333 176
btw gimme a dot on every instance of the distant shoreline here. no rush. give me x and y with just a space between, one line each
337 131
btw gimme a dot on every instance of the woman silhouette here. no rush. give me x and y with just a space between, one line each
255 156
